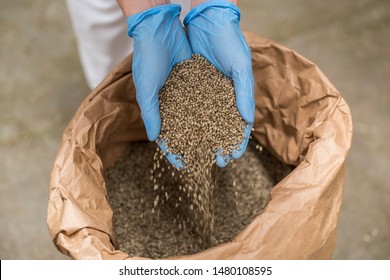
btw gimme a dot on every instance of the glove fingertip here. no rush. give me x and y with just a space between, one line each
175 160
237 153
222 161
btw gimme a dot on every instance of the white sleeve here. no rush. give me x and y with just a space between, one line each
101 32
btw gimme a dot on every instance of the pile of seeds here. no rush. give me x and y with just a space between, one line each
241 192
199 118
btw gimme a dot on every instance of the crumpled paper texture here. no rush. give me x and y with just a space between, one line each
300 117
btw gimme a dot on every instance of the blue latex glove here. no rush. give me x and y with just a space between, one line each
159 43
214 32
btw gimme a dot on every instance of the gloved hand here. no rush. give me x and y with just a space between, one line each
159 43
214 32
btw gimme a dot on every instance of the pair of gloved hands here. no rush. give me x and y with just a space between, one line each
160 42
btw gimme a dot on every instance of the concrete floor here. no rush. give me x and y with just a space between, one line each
42 85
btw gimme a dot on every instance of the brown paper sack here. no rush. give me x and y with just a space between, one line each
300 117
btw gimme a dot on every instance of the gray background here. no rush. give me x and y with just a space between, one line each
41 86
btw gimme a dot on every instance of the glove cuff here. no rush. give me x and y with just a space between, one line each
211 4
172 10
